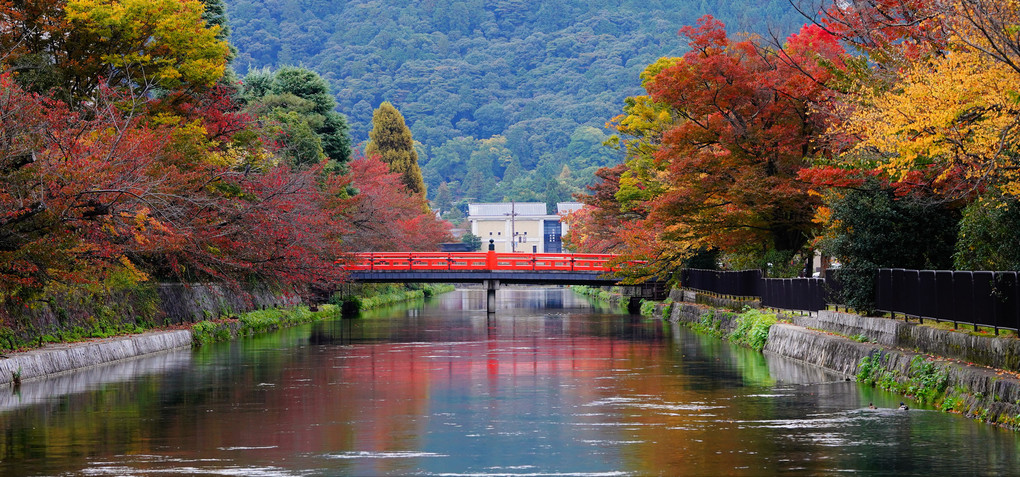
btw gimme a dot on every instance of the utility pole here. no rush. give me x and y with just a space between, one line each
513 230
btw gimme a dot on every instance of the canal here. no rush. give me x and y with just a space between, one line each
550 385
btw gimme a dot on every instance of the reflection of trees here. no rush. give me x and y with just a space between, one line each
374 384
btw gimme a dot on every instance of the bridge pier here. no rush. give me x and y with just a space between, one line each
490 295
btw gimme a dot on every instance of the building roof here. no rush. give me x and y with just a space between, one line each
568 207
499 209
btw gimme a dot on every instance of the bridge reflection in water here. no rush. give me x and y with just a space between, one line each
491 269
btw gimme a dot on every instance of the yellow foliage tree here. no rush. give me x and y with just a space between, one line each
72 47
952 121
154 42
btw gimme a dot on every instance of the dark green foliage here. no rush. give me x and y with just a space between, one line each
544 74
299 142
335 136
988 238
298 103
216 14
876 230
443 202
704 259
554 192
473 240
305 84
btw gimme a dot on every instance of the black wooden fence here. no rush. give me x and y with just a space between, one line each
745 283
978 298
807 294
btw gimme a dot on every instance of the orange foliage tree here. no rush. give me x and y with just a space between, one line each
717 144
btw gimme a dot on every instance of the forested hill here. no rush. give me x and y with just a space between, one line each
539 77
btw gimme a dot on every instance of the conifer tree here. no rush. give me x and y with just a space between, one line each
391 140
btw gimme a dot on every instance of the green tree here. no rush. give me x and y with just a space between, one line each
988 235
390 138
305 84
293 95
444 199
555 193
872 228
473 240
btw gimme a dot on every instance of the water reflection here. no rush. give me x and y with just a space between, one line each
46 390
565 389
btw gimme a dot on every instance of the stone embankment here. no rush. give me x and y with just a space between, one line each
64 357
956 372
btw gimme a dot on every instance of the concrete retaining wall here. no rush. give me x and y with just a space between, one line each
188 303
831 352
1001 353
92 378
985 393
879 330
60 358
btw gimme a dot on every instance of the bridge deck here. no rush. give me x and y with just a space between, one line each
493 269
480 267
505 277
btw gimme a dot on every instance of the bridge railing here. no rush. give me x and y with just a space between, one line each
481 261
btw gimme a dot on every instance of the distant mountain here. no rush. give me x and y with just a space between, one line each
545 75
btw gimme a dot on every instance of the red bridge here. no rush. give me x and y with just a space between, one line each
482 262
489 268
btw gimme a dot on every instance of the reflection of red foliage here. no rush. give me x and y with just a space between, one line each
377 398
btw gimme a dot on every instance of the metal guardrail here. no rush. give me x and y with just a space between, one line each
483 261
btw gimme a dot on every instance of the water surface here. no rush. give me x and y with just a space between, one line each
550 385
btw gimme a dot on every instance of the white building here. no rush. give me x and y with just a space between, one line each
519 226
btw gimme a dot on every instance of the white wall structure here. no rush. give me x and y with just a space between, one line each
523 227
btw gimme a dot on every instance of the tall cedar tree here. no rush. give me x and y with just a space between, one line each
390 139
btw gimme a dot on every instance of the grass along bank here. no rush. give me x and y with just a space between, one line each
369 296
258 322
749 328
612 295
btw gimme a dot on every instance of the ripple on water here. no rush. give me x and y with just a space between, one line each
151 464
188 470
382 455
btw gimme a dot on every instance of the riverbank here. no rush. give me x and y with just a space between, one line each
610 296
371 296
57 358
53 359
950 371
